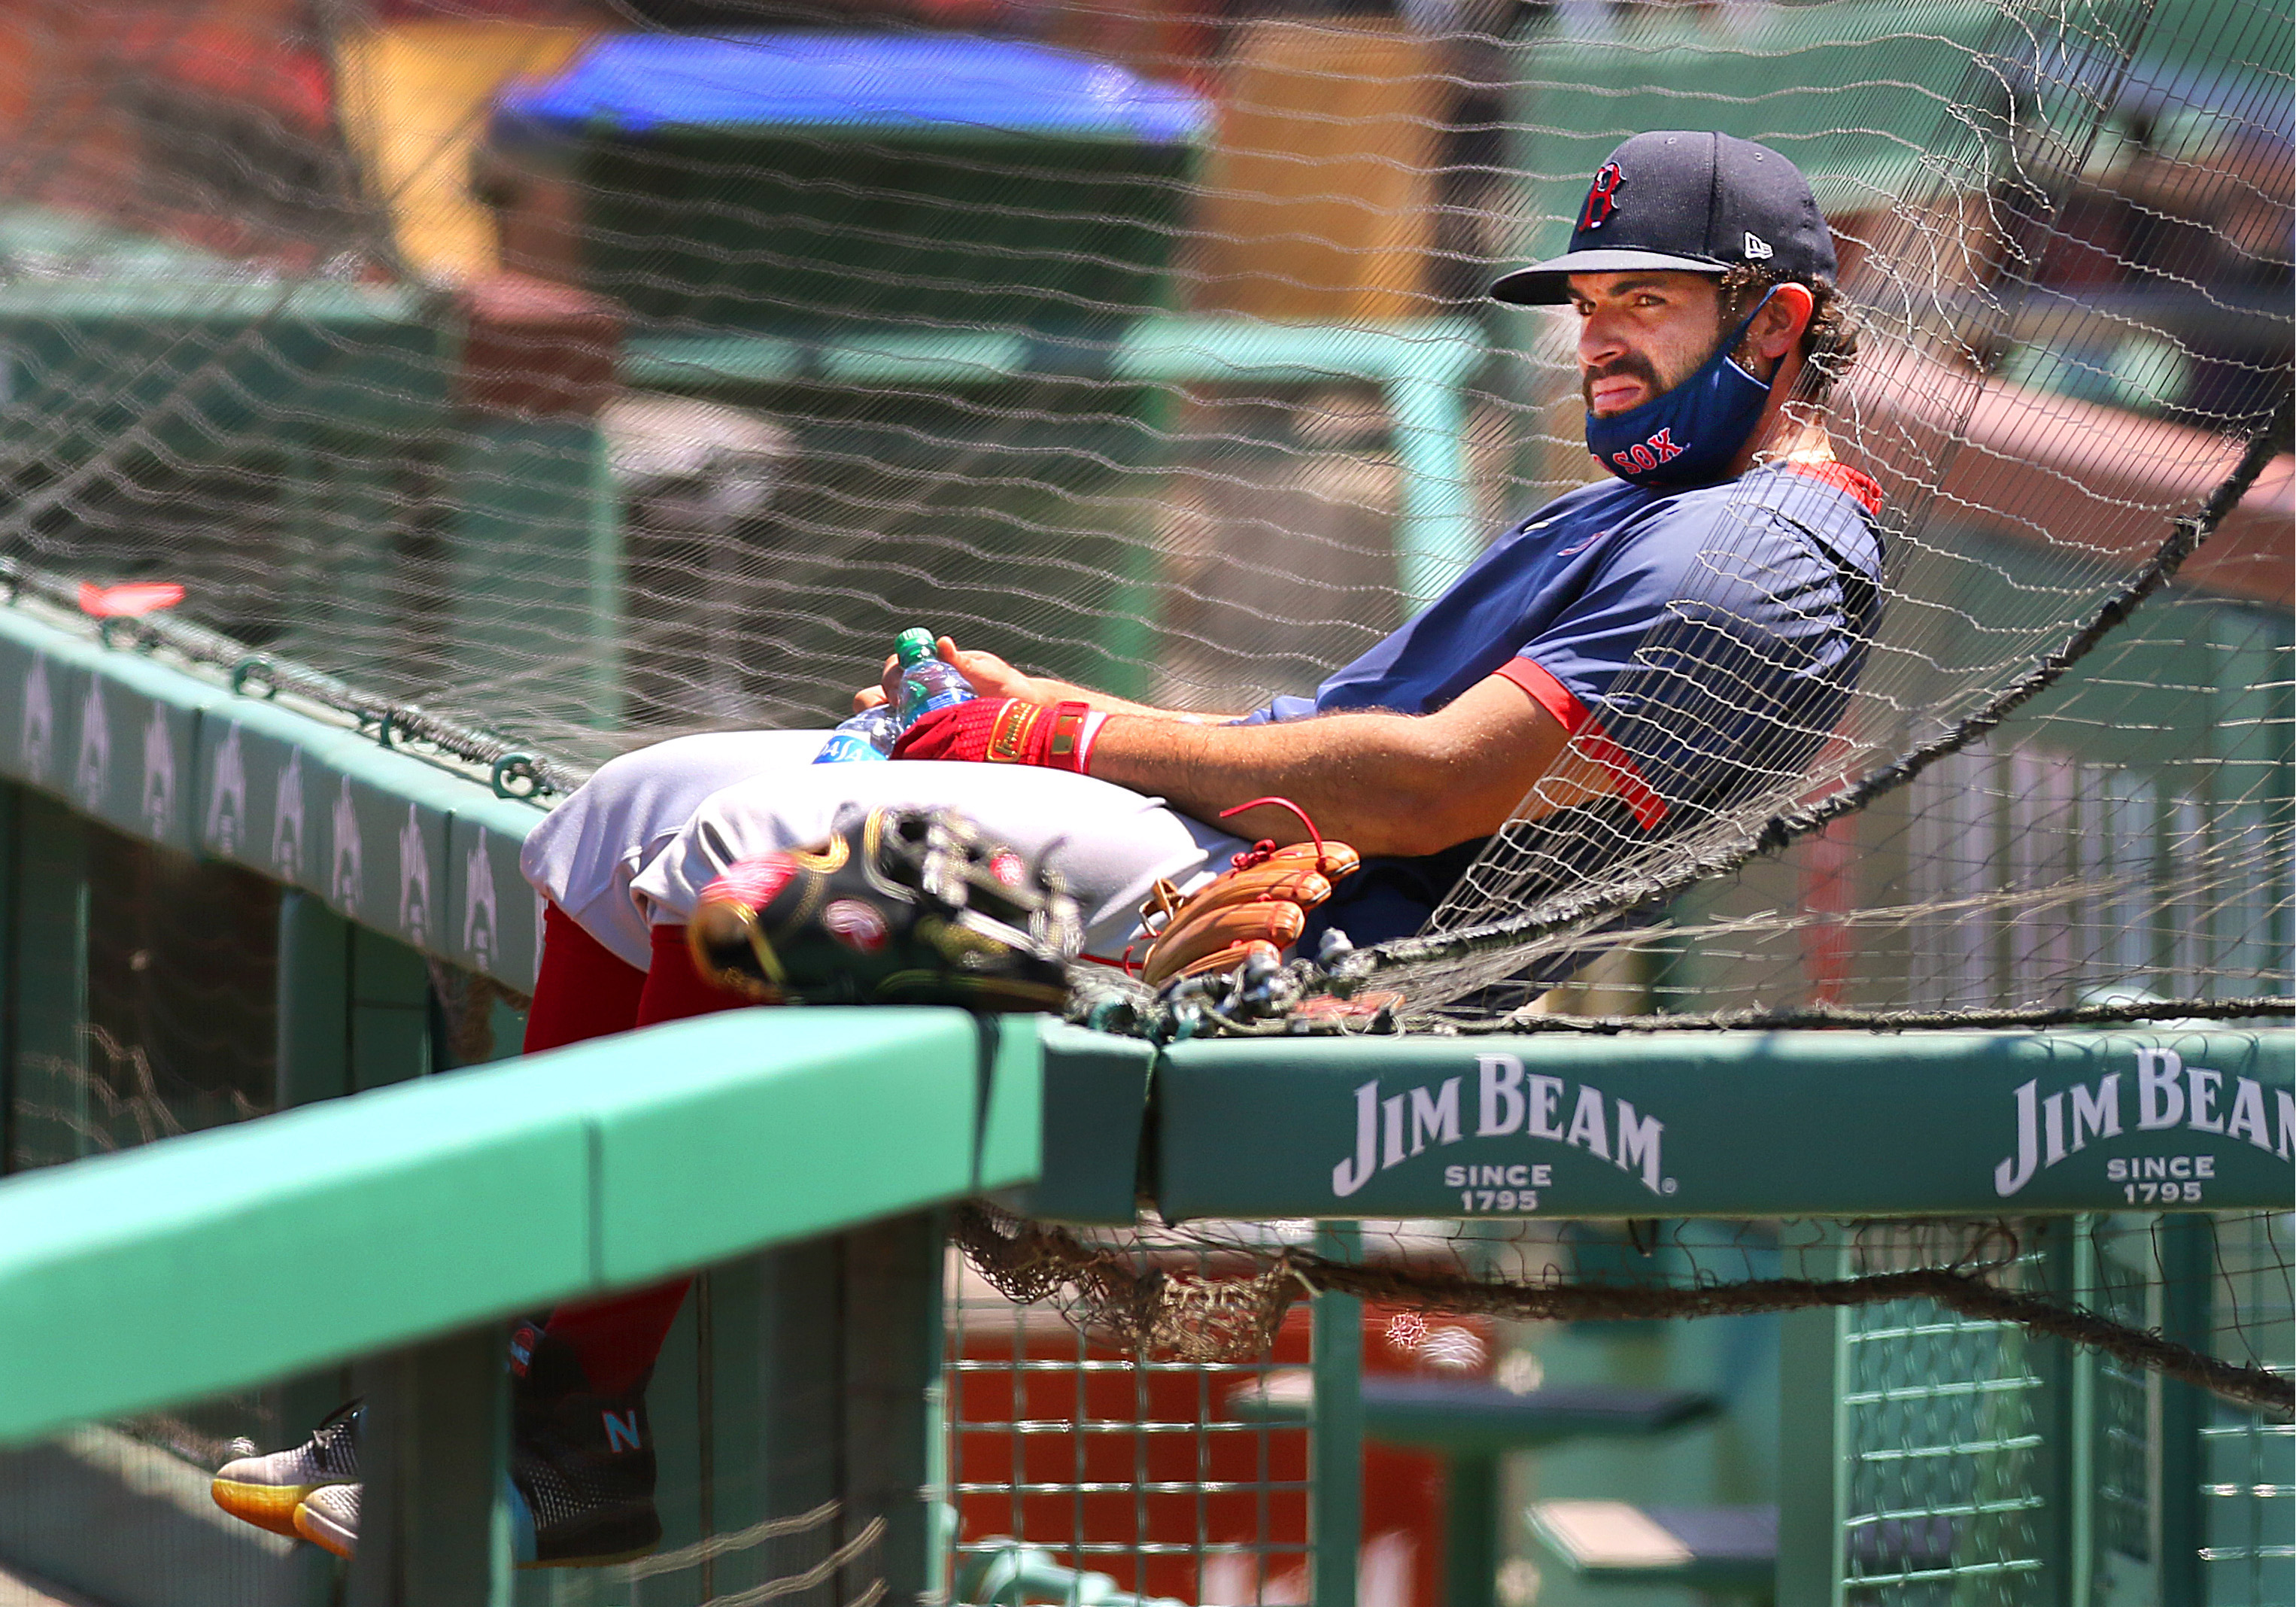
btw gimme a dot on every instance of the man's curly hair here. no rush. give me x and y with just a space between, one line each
1829 346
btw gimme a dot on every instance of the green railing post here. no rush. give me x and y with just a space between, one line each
1814 1456
314 1062
1435 537
2066 1414
390 1011
2188 1268
1470 1538
892 1293
314 1002
12 944
49 1071
1335 1520
433 1451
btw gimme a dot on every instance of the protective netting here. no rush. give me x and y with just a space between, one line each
1219 1292
589 374
2011 1402
170 1026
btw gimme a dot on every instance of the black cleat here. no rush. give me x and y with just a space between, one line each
581 1470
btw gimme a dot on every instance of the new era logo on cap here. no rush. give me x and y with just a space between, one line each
1701 203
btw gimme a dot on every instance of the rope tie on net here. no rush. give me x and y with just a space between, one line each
1156 1308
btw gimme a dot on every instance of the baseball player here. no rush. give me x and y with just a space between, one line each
1638 652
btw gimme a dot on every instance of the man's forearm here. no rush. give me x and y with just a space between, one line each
1108 702
1377 782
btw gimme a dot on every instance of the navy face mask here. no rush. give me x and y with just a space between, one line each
1688 436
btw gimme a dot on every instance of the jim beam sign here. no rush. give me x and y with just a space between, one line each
2098 1124
1522 1109
2197 1109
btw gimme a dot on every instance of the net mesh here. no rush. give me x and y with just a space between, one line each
2012 1403
586 375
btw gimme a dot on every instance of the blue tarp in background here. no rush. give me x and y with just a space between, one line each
640 84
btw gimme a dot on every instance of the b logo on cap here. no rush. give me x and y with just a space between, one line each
1602 197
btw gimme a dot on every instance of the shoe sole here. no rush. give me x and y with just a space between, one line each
329 1536
325 1535
269 1507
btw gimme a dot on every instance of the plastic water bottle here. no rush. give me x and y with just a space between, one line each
868 735
927 684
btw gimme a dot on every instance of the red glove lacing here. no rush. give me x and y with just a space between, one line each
1267 846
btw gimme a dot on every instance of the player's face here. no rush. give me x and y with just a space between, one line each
1641 333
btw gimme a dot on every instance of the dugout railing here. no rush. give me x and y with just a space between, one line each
394 1231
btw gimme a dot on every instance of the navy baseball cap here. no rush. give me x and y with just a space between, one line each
1691 202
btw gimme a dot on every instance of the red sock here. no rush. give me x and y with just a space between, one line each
674 988
616 1339
583 990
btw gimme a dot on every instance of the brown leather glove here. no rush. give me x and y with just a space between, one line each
1261 903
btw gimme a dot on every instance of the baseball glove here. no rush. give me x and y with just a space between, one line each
1258 905
904 905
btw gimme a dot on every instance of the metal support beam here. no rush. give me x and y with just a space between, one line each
1420 365
1814 1463
48 1081
313 1062
434 1452
892 1297
1335 1518
390 1011
1471 1539
12 943
315 1001
2187 1273
2065 1414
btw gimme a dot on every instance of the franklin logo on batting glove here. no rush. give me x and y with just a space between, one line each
1008 731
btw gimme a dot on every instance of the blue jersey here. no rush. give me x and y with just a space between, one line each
1697 643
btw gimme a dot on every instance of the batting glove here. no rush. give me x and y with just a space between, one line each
1006 731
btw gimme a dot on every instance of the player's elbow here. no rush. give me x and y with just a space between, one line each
1439 794
1417 833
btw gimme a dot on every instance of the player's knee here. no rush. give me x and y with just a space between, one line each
647 766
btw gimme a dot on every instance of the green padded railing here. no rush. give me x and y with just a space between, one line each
362 1223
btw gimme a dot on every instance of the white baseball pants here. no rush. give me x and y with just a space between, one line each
636 845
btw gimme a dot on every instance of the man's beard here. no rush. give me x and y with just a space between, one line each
1632 366
1635 365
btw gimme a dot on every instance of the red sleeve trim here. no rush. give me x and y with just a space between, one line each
1559 700
1841 476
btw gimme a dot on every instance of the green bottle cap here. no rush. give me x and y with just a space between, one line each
914 646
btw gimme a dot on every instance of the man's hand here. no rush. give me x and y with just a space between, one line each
991 677
1006 731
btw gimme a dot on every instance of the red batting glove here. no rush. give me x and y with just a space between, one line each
1006 731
